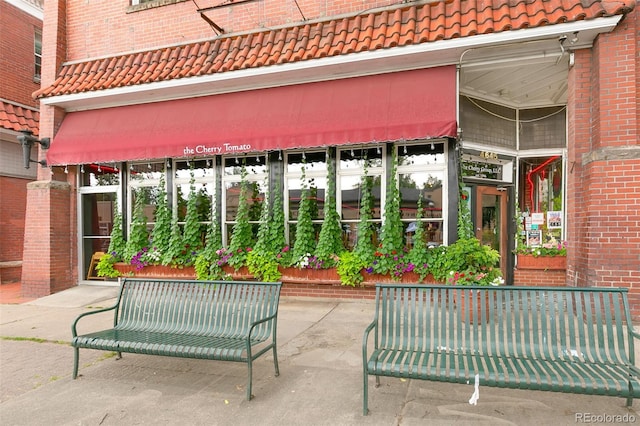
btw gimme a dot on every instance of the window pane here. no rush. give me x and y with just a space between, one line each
146 171
204 174
255 196
253 164
98 175
149 196
316 189
427 183
312 162
353 159
421 155
351 194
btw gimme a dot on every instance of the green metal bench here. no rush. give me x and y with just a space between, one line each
215 320
572 340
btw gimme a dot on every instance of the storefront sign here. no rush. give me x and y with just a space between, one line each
213 150
481 169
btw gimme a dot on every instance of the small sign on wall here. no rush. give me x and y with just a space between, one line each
554 220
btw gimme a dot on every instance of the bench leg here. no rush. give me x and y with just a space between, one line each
365 394
250 368
76 356
275 360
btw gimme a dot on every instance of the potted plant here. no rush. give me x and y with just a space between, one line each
549 256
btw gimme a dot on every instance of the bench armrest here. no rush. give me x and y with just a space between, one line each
365 339
263 320
84 314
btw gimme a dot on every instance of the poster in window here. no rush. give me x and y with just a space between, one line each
554 220
534 238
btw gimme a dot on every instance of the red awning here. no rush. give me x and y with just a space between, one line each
388 107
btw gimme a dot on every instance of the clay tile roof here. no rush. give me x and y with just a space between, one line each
15 117
382 29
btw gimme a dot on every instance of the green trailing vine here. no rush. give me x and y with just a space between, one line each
192 235
161 234
364 247
242 237
138 241
330 239
388 257
305 241
277 241
117 243
174 250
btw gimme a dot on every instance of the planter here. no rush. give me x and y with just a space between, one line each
407 277
303 276
241 274
527 261
155 271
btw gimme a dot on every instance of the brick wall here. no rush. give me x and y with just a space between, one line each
539 278
101 28
13 193
17 61
327 291
604 163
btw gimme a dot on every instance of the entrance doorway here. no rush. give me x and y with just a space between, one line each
97 213
490 219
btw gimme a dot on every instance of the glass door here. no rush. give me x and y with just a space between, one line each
98 196
491 221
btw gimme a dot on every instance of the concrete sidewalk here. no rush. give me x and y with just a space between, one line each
320 382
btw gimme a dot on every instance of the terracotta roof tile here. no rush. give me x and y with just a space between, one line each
401 26
17 118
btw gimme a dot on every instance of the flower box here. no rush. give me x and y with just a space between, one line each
155 271
527 261
304 275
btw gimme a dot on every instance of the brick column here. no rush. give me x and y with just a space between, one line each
604 163
50 225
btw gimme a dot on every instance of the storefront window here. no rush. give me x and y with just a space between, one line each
315 172
144 179
351 165
541 200
257 174
98 192
98 175
204 185
421 173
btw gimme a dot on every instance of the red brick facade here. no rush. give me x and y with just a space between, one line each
603 191
13 192
17 58
603 172
17 83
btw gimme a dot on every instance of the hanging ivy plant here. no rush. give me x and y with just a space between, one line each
277 240
192 235
305 241
161 234
262 242
138 241
117 244
330 240
365 248
389 257
242 237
